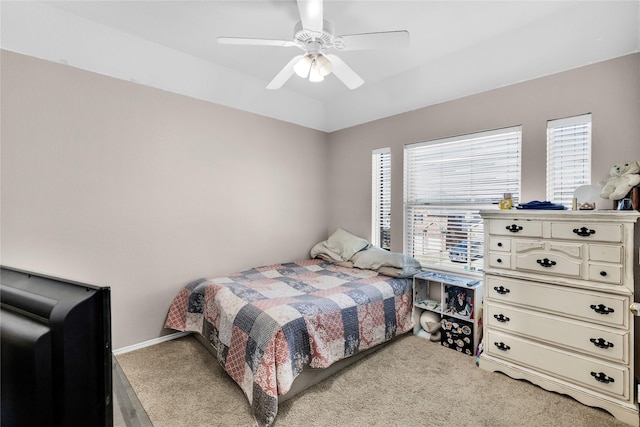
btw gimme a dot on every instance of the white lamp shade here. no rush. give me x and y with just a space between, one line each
303 66
315 75
324 65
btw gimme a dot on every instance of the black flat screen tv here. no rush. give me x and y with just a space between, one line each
56 352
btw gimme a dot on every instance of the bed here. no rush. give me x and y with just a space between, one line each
272 328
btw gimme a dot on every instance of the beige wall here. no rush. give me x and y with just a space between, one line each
609 90
142 190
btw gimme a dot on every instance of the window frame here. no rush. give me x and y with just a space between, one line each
381 198
567 168
454 212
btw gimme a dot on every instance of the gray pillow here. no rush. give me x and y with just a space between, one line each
375 258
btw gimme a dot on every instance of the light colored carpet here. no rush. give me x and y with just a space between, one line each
412 382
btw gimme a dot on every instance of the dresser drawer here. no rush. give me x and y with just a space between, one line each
604 377
607 343
549 257
549 262
505 227
499 244
586 231
600 308
605 273
500 260
605 253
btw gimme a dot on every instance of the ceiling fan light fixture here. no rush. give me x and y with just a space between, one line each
315 75
303 67
324 65
314 66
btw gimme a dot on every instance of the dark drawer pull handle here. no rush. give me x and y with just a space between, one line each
499 260
501 318
603 273
601 342
584 231
546 262
513 228
499 244
501 290
601 309
602 377
502 346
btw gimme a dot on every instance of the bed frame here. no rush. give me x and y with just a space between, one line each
310 376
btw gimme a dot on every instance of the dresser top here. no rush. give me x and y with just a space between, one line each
582 215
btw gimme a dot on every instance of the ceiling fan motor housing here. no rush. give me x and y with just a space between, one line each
312 41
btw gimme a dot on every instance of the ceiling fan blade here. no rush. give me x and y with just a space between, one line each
379 40
311 14
255 42
284 74
345 73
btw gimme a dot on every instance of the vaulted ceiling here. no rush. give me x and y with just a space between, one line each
456 48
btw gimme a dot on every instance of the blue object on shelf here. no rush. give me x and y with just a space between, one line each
535 204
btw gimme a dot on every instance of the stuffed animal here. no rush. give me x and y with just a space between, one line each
430 322
623 177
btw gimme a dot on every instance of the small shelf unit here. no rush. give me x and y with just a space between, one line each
457 300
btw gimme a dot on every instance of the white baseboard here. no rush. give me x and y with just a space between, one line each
149 343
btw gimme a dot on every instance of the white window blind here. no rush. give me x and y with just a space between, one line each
381 198
568 157
447 182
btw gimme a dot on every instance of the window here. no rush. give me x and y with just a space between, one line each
446 183
381 198
568 157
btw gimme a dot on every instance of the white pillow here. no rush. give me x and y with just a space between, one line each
321 251
346 244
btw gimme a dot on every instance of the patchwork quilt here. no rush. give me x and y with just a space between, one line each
268 323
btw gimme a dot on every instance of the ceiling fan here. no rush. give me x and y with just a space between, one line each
315 36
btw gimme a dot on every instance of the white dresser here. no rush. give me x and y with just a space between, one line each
559 292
